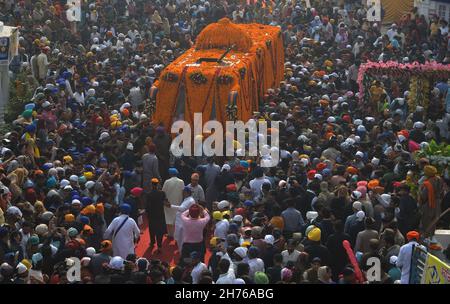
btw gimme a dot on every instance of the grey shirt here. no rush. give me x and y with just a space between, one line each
293 220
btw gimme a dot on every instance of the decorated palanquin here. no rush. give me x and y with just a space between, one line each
227 89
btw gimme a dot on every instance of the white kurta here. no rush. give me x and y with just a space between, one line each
404 260
185 205
123 242
173 188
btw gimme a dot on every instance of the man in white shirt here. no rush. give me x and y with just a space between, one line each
257 182
123 232
290 254
255 263
392 32
404 256
25 231
173 188
136 96
198 267
222 225
227 275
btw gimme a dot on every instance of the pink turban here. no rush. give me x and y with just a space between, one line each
363 190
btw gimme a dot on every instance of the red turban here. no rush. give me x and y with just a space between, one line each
136 191
194 211
412 235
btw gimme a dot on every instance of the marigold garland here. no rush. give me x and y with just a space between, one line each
264 66
222 35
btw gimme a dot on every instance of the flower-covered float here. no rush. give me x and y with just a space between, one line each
228 89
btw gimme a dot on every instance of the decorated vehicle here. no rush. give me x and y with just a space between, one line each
224 76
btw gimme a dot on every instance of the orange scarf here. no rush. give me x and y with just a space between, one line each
431 196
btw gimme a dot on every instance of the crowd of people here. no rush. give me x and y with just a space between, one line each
83 168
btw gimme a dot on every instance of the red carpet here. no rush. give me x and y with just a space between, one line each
169 252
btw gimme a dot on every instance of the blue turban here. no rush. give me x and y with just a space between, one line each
76 197
173 171
84 219
30 106
248 203
66 75
74 193
85 201
244 163
125 209
82 180
89 168
234 228
30 128
47 166
51 182
187 189
326 172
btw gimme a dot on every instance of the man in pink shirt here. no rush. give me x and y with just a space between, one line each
194 221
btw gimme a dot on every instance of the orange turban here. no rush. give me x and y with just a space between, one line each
90 209
69 218
324 102
352 170
321 166
277 221
99 208
373 183
412 235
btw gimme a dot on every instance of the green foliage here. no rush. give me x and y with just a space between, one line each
20 94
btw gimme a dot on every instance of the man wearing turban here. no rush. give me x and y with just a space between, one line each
431 193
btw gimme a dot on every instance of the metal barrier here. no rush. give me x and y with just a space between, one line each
418 261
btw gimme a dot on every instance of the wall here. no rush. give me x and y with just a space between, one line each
429 8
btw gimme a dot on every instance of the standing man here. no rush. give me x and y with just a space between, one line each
150 166
188 201
42 63
431 194
197 191
194 221
123 233
154 205
211 172
162 142
173 188
404 257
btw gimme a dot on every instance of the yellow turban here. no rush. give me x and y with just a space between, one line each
217 215
430 171
88 175
116 124
69 218
213 241
227 212
246 244
90 209
314 234
27 263
67 159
